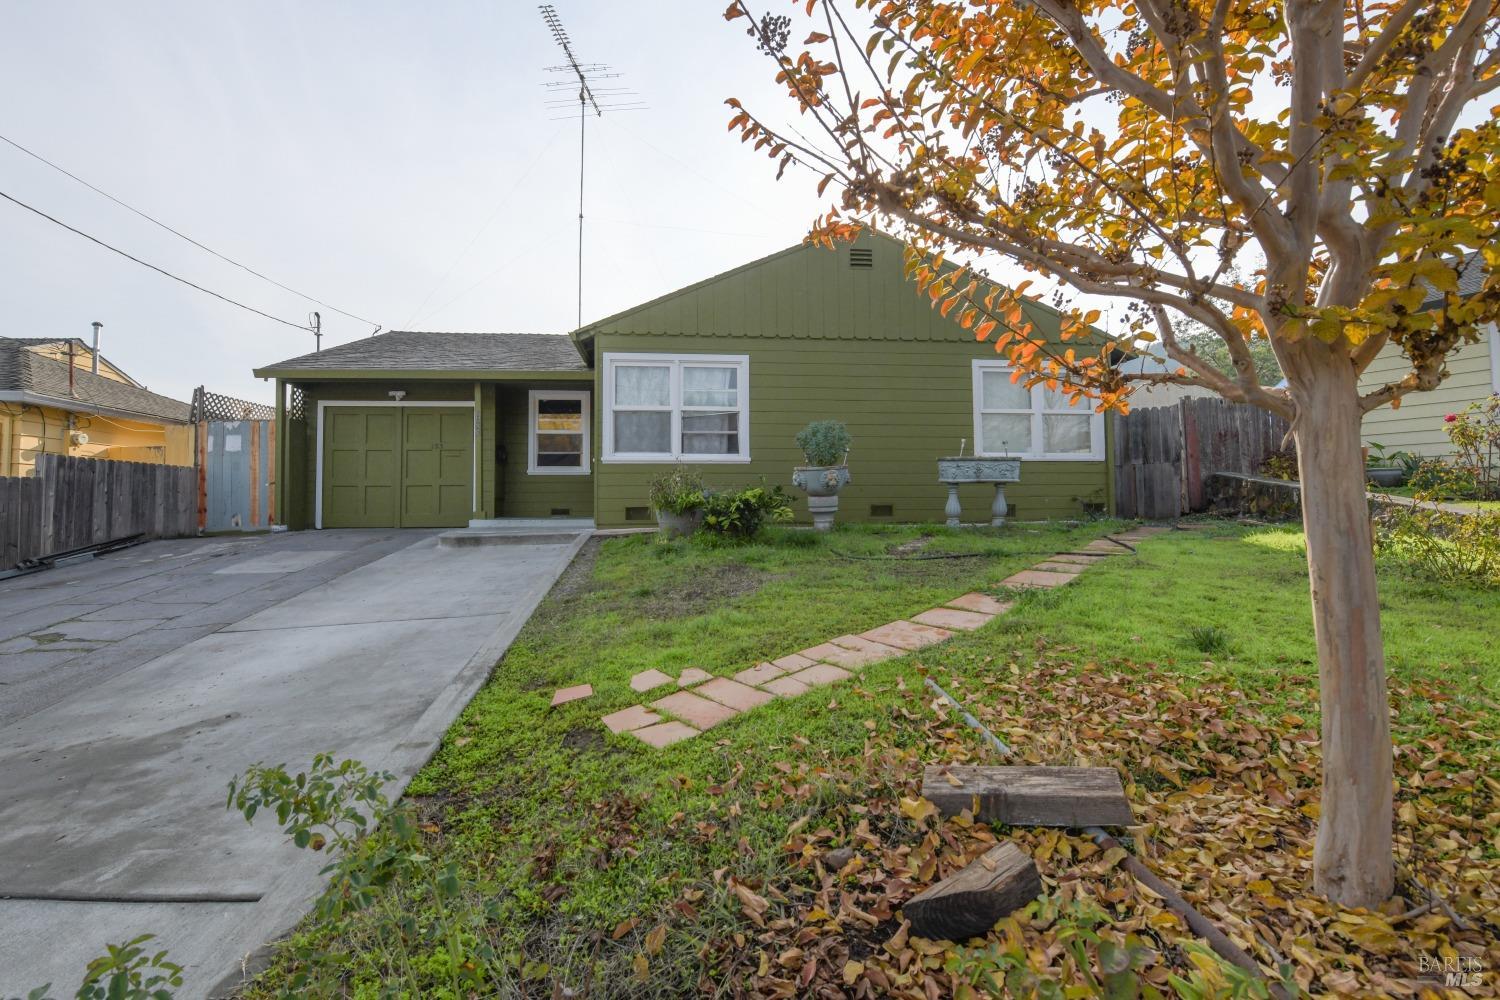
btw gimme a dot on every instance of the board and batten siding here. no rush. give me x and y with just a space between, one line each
1417 426
906 403
525 495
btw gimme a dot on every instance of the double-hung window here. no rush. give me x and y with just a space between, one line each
676 407
1011 420
558 441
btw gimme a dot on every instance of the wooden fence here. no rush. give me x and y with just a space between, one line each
71 503
1163 454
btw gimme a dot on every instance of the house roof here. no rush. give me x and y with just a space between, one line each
29 377
82 346
437 353
1471 275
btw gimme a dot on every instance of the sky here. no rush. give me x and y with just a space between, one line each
398 161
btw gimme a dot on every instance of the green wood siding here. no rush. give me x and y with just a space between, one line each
906 404
524 495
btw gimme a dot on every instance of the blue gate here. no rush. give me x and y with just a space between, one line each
236 460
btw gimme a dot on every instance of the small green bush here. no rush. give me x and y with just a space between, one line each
739 514
824 443
1210 640
1441 545
679 491
1438 480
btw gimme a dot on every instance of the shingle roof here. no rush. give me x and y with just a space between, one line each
1471 275
408 350
27 372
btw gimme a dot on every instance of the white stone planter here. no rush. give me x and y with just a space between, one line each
678 525
955 470
822 484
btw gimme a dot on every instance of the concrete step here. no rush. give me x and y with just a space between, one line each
469 537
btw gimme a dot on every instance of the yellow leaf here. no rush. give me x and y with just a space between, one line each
917 810
642 967
655 939
852 971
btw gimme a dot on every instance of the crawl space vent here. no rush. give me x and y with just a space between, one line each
637 513
882 510
561 511
861 257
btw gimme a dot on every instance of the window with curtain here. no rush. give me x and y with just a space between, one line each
1037 423
676 407
559 438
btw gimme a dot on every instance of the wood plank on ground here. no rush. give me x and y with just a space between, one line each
1030 796
967 903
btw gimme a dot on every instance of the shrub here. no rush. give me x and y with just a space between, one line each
1210 640
1437 480
678 491
740 514
824 442
1475 434
1441 545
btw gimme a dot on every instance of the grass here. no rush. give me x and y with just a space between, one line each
1410 493
572 832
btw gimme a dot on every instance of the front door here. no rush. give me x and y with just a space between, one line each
397 467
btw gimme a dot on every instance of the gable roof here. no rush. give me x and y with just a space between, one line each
436 354
857 291
1471 275
29 377
84 351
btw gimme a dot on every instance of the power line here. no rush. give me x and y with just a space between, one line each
180 235
158 270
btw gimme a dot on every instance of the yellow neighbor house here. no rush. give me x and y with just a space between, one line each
53 402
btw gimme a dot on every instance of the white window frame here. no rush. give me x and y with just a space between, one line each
534 397
1034 451
675 363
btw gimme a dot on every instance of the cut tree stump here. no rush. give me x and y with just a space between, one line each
1030 796
967 903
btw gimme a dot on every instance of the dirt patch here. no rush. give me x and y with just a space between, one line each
698 592
578 578
912 546
583 739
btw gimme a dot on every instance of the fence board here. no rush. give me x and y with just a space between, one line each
73 502
1163 454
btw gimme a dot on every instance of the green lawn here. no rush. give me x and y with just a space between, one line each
1409 493
572 832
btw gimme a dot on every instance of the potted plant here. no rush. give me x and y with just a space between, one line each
1384 468
678 498
825 445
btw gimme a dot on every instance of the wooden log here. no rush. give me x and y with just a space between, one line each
1030 796
968 903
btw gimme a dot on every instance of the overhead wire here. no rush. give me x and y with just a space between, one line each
147 264
181 235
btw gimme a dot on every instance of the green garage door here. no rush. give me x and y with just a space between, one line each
403 467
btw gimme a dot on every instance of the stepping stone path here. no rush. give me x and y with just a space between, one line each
717 699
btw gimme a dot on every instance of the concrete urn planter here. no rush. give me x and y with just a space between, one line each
678 525
821 483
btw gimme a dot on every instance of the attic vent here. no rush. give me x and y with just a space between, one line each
861 257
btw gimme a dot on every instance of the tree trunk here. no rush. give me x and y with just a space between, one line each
1352 861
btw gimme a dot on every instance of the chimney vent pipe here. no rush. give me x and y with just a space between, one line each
97 327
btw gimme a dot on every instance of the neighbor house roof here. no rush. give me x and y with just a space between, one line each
1471 274
83 348
29 377
432 354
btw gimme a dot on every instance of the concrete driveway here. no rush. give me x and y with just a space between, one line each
134 686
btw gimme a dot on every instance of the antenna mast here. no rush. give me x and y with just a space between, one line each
586 76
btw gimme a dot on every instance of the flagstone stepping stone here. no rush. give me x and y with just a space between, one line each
740 697
820 674
648 679
700 713
1030 795
906 635
982 603
860 644
967 903
626 719
1077 559
785 687
691 676
565 695
1036 578
1072 569
1105 546
664 734
759 674
793 661
847 656
952 618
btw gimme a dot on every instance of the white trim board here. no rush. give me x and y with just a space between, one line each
534 396
441 404
607 363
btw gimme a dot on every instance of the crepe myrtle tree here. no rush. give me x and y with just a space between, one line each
1136 150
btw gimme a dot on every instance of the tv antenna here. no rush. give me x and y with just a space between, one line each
593 98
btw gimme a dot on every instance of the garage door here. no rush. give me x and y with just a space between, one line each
387 466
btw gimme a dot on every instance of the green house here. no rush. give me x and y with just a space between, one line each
409 429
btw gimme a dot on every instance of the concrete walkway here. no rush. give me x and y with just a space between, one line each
133 687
